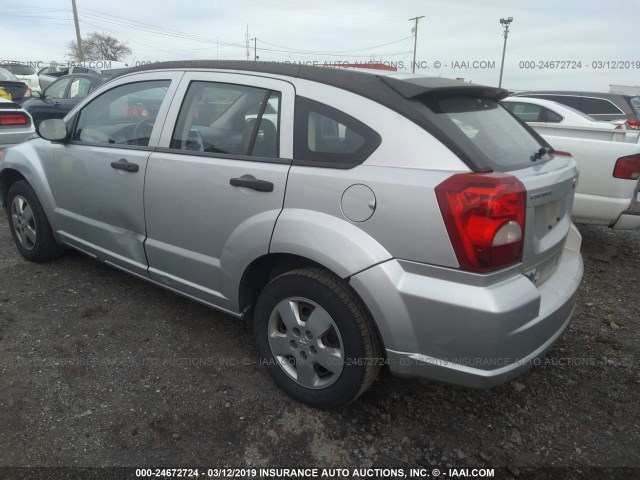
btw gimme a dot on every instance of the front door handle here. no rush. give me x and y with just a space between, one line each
123 164
249 181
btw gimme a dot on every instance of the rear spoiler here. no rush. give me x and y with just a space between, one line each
441 87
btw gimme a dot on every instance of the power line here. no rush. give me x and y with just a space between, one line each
332 12
294 50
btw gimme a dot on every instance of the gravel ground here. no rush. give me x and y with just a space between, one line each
101 369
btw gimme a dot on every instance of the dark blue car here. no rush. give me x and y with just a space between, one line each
61 96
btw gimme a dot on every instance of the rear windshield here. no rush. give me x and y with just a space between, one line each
7 76
21 69
504 142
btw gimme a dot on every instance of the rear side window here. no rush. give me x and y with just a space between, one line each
327 137
504 142
598 106
552 117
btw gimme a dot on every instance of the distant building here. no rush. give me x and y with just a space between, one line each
624 89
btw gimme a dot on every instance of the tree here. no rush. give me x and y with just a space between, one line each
99 46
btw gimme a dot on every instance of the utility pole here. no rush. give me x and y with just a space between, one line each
415 41
78 36
505 23
247 40
255 50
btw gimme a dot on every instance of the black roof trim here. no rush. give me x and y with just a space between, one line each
574 93
394 93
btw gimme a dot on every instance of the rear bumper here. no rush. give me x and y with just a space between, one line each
477 334
630 218
628 221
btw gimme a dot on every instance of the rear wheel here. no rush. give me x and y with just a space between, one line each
316 338
29 225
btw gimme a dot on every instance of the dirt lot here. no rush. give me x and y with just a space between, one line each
101 369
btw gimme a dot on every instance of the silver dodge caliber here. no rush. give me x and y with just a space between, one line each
356 220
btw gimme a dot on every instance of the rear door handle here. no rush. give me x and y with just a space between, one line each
249 181
123 164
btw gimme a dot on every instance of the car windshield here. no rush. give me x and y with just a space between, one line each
635 102
505 143
7 76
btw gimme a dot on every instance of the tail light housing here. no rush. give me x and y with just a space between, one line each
627 168
13 119
633 124
484 214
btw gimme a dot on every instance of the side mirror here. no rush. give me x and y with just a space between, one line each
35 94
53 129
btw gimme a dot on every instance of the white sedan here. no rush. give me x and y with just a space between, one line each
608 157
538 111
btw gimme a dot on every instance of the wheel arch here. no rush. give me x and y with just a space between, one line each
24 162
267 267
264 269
8 177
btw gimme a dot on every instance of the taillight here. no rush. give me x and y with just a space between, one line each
13 119
633 124
561 153
484 214
627 168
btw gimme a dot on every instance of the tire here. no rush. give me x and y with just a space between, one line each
316 338
30 228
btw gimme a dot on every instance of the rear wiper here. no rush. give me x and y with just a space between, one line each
540 153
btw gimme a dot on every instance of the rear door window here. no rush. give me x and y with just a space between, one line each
504 142
527 112
221 118
570 100
79 87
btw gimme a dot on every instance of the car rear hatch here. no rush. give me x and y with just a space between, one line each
16 89
469 119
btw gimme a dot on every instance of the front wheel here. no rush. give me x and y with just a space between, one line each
30 228
316 338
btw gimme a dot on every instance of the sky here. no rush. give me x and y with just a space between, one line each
552 44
